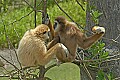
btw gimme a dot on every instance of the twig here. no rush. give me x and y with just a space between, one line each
29 4
113 40
117 78
80 5
111 60
20 18
94 60
4 76
85 68
35 11
67 14
11 44
10 63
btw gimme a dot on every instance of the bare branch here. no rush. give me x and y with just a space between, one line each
10 63
20 18
80 5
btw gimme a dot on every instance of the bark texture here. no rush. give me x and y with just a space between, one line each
110 19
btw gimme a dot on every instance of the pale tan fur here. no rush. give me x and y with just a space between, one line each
68 34
32 49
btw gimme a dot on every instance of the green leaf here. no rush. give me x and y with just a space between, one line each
101 75
66 71
96 13
110 76
104 55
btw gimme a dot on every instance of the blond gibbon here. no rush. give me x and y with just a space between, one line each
71 37
32 50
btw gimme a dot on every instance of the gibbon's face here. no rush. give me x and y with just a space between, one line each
42 31
59 23
45 35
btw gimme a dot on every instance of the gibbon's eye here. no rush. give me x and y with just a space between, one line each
44 32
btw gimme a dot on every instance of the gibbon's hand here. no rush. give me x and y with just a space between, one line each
47 19
98 29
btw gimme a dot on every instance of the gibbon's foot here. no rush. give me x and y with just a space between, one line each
58 62
98 29
47 21
65 50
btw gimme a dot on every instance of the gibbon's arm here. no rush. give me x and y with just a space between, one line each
49 54
49 24
51 30
53 42
85 42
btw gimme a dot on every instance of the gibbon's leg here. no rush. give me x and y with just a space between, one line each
63 54
88 41
51 30
57 49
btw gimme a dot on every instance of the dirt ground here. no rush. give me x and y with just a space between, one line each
10 56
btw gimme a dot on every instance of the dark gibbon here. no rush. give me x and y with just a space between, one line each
68 34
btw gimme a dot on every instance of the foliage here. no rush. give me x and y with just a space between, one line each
64 72
74 11
98 55
102 76
26 23
17 29
97 51
95 13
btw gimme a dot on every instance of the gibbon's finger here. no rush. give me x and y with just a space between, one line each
47 19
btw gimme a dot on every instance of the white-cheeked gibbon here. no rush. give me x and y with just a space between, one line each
32 50
71 37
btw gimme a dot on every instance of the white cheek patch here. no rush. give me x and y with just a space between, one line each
57 26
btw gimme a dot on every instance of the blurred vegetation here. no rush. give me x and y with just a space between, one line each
16 30
13 32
